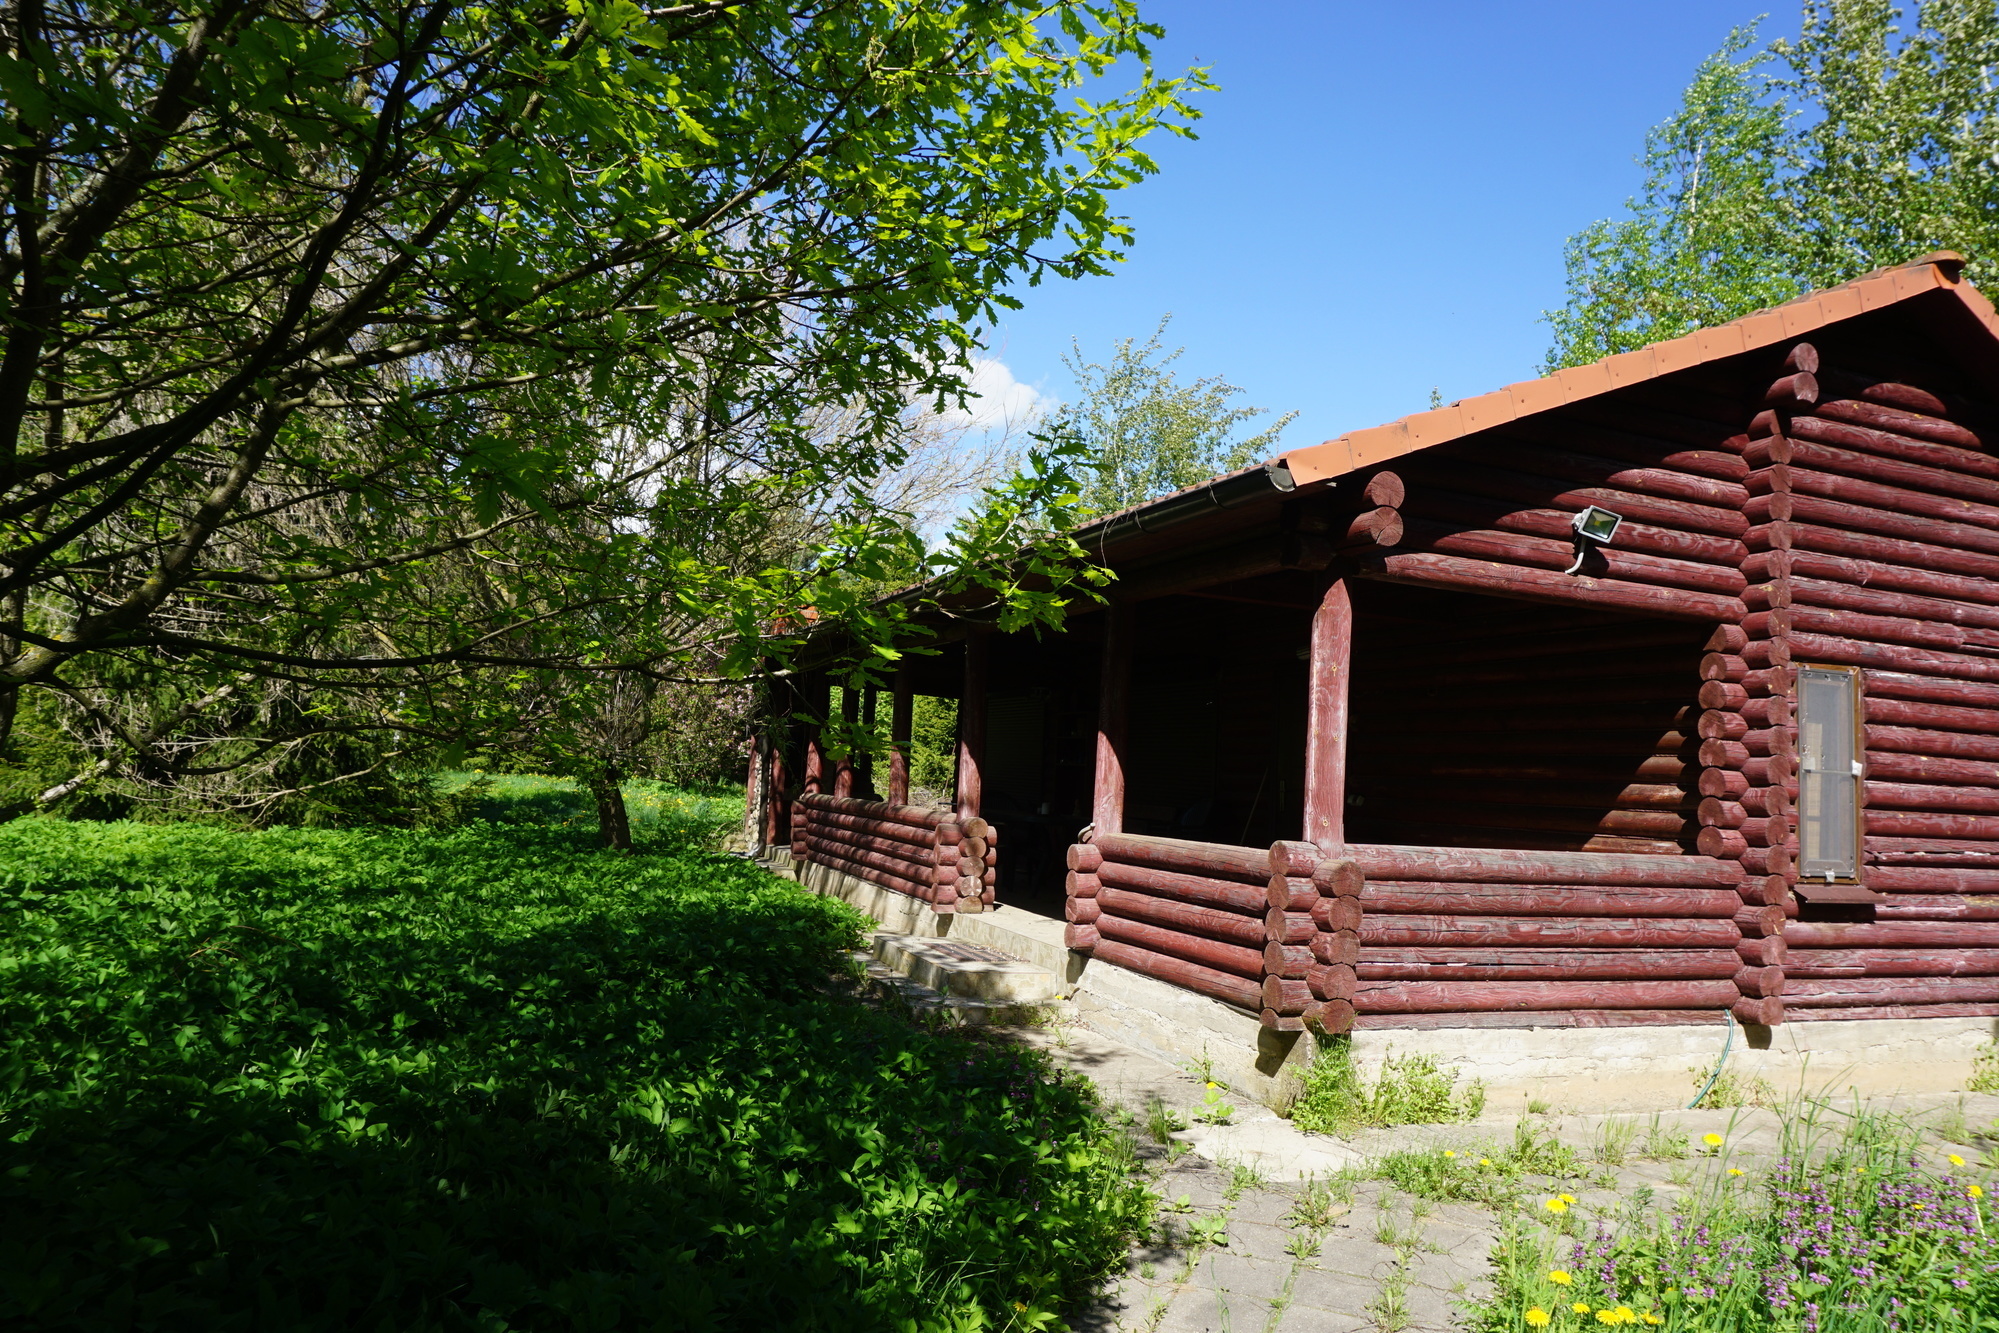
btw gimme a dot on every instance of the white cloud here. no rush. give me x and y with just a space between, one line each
999 402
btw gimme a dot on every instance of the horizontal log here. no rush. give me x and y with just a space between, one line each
1722 783
1328 914
1723 667
1931 716
1909 552
1891 934
1762 714
1434 898
1458 476
1385 488
1888 850
915 816
1223 957
1374 527
1826 964
1547 585
1291 893
1224 986
1891 657
1383 997
1770 951
1721 725
1084 856
1918 408
913 871
1459 931
1963 516
1334 982
1858 1013
1930 824
1720 694
1717 813
1800 388
1480 837
1890 990
1293 858
1499 866
1649 447
1335 948
1809 505
900 883
1936 744
1843 426
909 834
1287 960
1282 995
1418 964
1816 448
1943 596
1338 877
1530 1019
1222 894
1750 1011
1724 754
1913 796
1886 629
1949 623
1081 910
1514 548
1080 937
1760 982
1081 884
1930 689
1919 879
1760 922
1518 452
1251 865
1185 917
912 852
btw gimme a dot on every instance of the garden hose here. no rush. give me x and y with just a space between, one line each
1726 1043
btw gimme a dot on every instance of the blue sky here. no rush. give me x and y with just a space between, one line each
1379 196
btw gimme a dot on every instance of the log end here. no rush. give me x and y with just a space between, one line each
1277 1022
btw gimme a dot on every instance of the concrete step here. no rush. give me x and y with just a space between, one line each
966 970
888 986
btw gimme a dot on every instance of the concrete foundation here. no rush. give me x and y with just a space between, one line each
1566 1069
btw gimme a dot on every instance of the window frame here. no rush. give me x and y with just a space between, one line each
1858 740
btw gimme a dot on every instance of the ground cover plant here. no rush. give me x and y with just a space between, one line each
1409 1090
490 1078
1859 1225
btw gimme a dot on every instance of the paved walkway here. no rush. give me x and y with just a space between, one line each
1266 1228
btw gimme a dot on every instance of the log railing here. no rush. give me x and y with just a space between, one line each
1386 936
928 854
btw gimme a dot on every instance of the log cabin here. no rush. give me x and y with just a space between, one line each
1661 692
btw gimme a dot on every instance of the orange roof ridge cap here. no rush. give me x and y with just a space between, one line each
1760 328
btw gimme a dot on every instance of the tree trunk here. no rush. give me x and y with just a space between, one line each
614 830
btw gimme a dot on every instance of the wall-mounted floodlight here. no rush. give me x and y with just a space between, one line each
1593 527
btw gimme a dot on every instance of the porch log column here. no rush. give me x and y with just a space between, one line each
1113 710
1326 712
898 739
972 725
850 719
813 711
864 762
756 793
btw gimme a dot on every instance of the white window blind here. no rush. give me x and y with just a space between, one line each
1828 773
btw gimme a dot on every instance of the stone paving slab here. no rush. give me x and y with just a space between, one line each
1388 1262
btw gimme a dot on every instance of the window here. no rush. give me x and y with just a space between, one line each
1828 773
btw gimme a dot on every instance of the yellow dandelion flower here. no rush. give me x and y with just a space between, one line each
1213 1086
1485 1161
1735 1171
1020 1305
1449 1153
1607 1317
1625 1315
1921 1206
1975 1192
1566 1198
1711 1140
1651 1318
1556 1206
1537 1318
1955 1160
1559 1277
1580 1307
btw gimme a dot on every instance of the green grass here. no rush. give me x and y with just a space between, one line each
658 813
491 1078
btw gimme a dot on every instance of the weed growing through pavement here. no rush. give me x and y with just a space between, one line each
1410 1090
1214 1110
1243 1177
1490 1174
1985 1069
1162 1121
1665 1143
1729 1089
1611 1144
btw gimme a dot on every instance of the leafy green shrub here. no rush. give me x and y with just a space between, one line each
1411 1090
489 1078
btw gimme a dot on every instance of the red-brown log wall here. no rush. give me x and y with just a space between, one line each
933 855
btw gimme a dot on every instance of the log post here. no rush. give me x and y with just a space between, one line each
864 761
850 718
898 738
756 793
1326 718
1113 710
972 725
777 809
